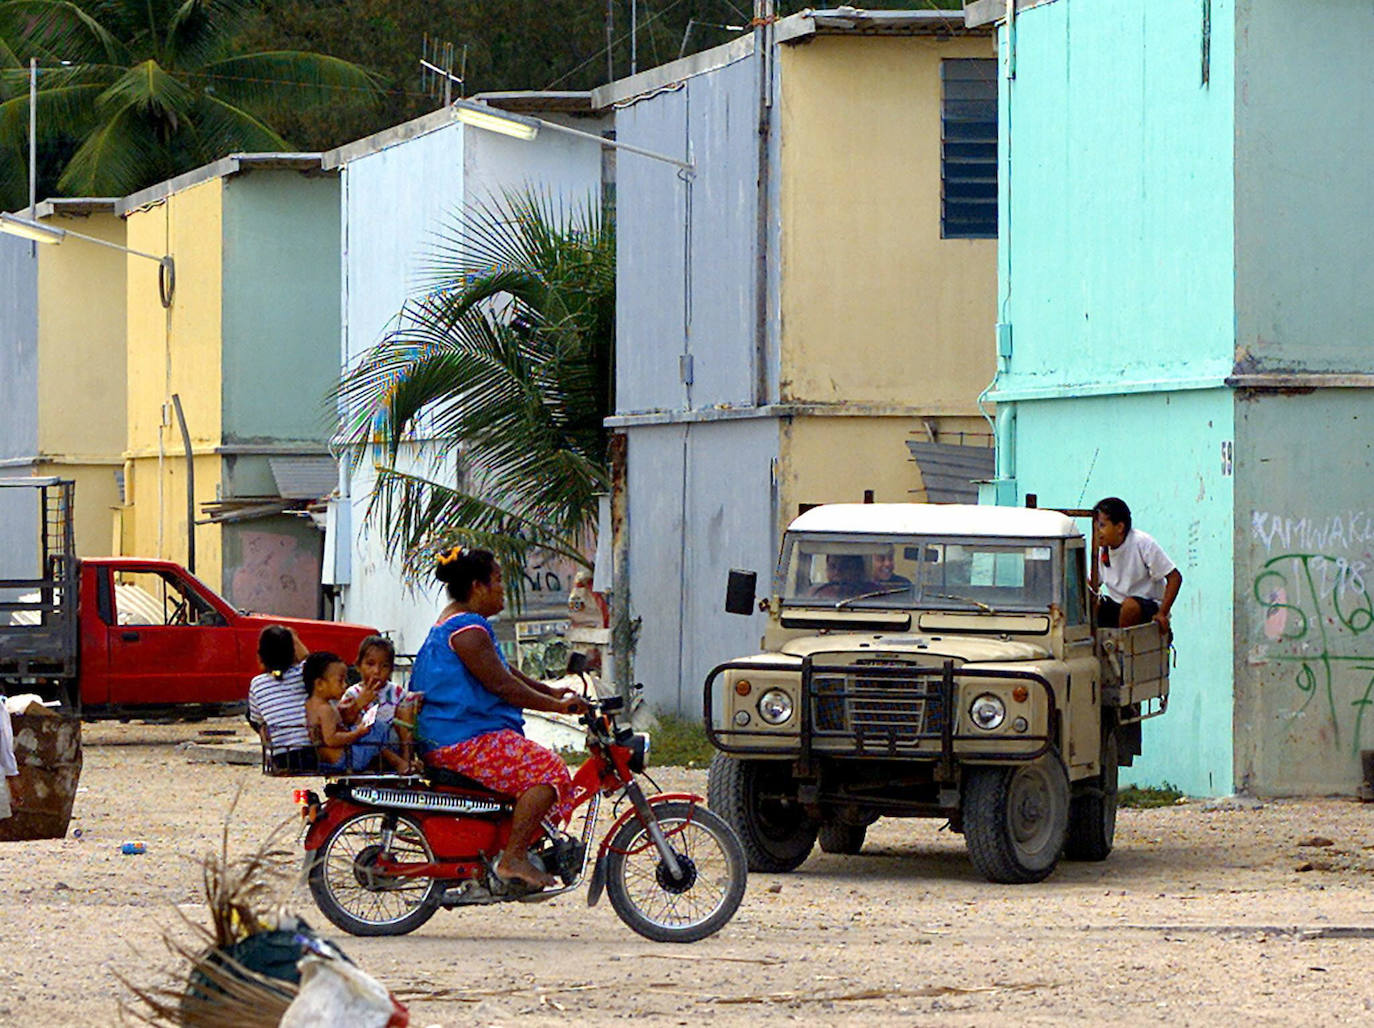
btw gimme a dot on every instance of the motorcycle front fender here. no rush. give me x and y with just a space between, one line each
662 797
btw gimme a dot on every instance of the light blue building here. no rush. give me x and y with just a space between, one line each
1184 321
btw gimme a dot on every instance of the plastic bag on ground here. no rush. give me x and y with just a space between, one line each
335 993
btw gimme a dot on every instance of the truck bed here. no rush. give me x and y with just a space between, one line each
1135 665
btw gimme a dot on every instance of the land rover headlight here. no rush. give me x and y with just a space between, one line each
775 706
987 712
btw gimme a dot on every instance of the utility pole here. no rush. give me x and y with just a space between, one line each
634 37
33 136
610 41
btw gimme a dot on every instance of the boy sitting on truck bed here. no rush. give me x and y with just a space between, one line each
1139 581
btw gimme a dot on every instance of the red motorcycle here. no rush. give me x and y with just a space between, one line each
384 852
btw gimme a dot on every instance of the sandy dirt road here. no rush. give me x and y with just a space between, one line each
1199 915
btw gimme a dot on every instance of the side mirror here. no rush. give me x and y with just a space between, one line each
577 663
739 591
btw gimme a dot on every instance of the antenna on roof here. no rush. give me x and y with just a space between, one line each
436 69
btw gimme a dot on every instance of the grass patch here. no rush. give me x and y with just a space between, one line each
679 741
1145 797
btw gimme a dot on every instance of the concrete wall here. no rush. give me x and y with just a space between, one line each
18 403
1304 577
81 364
864 270
699 501
1116 214
18 348
1304 189
685 285
834 459
1163 454
272 565
281 306
176 350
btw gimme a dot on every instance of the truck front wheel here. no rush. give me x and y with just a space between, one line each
757 798
1016 819
1092 815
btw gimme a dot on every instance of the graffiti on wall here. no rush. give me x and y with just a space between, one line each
1318 617
278 574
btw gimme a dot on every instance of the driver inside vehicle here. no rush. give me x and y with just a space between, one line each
845 577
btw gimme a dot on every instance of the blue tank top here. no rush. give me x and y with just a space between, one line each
457 707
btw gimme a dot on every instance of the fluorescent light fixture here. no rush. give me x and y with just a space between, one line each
14 225
34 231
524 127
483 117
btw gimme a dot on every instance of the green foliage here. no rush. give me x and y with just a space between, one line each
132 92
505 361
678 741
1145 797
510 44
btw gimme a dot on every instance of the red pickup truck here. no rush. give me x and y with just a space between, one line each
135 637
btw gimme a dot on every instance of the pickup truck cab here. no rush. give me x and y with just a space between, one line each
931 661
150 639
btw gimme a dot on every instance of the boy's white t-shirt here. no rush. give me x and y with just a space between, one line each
1138 568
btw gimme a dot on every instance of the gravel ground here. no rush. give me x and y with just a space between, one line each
1257 913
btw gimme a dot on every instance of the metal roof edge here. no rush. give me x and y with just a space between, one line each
225 167
75 205
978 13
853 21
634 87
336 158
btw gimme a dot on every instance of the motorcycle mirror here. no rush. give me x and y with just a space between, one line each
739 591
577 663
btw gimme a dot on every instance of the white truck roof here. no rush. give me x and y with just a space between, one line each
958 519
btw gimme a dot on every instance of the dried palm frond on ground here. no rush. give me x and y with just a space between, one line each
247 922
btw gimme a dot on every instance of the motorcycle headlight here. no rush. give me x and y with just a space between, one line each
639 751
987 711
775 706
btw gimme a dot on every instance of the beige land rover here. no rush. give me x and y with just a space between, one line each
927 660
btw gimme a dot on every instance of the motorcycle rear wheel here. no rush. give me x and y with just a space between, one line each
356 898
643 891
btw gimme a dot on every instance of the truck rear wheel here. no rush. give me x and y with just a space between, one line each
839 837
1092 816
1016 819
756 798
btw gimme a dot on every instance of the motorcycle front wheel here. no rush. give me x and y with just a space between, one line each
701 898
354 895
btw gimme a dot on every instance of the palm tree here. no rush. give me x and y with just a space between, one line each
146 89
505 362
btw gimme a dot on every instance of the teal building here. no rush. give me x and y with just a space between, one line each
1184 320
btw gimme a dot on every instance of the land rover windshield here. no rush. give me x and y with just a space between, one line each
910 572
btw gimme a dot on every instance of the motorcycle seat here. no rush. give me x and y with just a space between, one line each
443 776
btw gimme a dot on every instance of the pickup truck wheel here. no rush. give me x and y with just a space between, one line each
754 797
1016 819
838 837
1092 816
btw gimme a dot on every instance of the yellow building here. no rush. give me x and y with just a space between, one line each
229 381
62 401
802 313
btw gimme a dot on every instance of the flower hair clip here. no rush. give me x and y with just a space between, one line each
445 559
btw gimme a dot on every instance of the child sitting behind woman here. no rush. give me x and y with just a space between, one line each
342 748
376 697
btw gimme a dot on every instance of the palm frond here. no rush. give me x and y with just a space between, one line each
117 158
423 517
256 80
152 92
58 30
201 30
507 354
221 128
65 111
